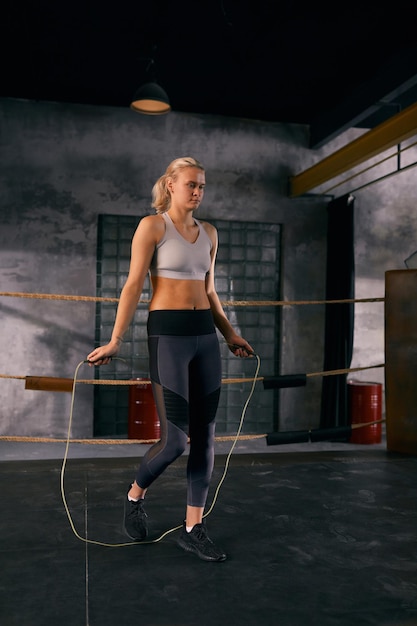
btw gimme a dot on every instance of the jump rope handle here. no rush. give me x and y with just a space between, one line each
236 347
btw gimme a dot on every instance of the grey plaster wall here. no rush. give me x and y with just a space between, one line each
386 234
385 192
62 165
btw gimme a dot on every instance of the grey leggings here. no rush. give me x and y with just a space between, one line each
185 370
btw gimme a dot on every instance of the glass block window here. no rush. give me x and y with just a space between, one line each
247 271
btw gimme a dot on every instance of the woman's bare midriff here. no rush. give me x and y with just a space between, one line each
170 294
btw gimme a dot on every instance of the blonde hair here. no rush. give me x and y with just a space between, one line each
161 197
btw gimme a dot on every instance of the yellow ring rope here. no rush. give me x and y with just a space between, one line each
227 303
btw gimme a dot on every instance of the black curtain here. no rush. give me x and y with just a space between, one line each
339 318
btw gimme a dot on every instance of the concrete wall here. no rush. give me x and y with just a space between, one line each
385 191
62 165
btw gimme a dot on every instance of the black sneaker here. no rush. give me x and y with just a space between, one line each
135 520
198 542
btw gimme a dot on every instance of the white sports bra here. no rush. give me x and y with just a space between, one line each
175 257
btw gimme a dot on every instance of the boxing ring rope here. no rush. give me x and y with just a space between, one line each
49 383
35 383
226 303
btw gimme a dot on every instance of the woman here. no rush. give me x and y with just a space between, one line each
184 354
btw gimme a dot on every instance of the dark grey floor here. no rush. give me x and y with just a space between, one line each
315 535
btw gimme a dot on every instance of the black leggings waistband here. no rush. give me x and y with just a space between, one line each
181 322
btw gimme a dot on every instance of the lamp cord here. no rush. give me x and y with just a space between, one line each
171 530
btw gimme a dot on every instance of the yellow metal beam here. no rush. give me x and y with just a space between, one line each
390 133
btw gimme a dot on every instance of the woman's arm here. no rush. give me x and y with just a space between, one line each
237 345
148 233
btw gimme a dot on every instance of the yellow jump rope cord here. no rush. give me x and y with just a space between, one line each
171 530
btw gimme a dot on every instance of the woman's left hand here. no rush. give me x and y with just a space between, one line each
240 347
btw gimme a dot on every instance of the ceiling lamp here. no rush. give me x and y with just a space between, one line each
151 99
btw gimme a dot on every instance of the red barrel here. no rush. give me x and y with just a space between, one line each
143 420
365 405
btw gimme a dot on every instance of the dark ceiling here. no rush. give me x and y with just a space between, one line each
330 67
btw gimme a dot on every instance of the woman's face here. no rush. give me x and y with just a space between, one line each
187 190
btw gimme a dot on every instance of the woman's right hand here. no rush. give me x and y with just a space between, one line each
103 354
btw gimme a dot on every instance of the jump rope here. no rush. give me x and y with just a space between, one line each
171 530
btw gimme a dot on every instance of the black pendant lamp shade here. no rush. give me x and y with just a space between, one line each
151 99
